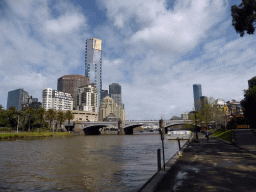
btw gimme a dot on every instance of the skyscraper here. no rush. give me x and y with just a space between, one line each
115 93
93 64
197 94
69 83
17 98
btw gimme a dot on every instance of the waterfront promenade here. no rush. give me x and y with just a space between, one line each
212 165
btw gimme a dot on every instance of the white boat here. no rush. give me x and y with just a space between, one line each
180 134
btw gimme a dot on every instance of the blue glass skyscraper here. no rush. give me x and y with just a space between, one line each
197 95
16 98
93 64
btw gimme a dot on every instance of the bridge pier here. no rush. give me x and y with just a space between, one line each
120 128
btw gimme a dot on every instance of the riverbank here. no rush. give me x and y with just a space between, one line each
212 165
25 135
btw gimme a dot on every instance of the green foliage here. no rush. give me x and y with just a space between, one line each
249 104
223 134
61 117
244 17
51 115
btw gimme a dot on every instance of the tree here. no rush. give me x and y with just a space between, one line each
29 112
244 17
69 116
61 117
41 112
51 115
12 116
249 106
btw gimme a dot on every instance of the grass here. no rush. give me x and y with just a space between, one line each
223 134
32 134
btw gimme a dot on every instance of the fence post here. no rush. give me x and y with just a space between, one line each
159 159
179 143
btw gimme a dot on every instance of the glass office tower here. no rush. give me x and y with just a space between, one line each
93 64
115 93
197 95
16 98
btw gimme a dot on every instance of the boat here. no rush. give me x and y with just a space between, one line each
179 134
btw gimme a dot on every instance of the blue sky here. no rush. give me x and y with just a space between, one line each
156 50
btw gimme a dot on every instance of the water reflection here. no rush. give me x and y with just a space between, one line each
81 163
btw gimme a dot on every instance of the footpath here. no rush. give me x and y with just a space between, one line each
212 165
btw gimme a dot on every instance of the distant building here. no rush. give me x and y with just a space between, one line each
17 98
104 93
109 106
115 93
220 103
31 102
93 64
87 98
234 107
184 116
57 100
69 83
203 100
84 116
197 94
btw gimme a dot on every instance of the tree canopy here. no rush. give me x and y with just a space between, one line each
249 105
244 17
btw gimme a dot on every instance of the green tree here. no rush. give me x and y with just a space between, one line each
29 112
12 113
41 112
61 117
249 106
244 17
69 116
51 115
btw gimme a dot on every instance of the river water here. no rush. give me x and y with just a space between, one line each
81 163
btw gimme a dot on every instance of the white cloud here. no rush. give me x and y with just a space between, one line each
38 48
65 24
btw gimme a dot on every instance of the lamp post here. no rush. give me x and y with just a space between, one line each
196 126
161 130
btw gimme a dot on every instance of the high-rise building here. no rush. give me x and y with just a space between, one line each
93 64
115 93
197 94
17 98
104 93
69 83
87 98
57 100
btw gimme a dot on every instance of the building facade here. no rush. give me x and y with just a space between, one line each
17 98
115 93
104 93
93 64
108 106
69 83
57 100
31 102
84 116
197 94
87 98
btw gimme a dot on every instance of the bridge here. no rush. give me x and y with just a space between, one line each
93 128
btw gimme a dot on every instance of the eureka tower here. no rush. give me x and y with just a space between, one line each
93 64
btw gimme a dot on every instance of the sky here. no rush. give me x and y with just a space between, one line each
155 49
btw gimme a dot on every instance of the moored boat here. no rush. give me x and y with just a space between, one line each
179 134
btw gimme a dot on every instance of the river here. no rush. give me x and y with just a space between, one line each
81 163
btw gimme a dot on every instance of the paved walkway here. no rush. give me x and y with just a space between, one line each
246 139
212 165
